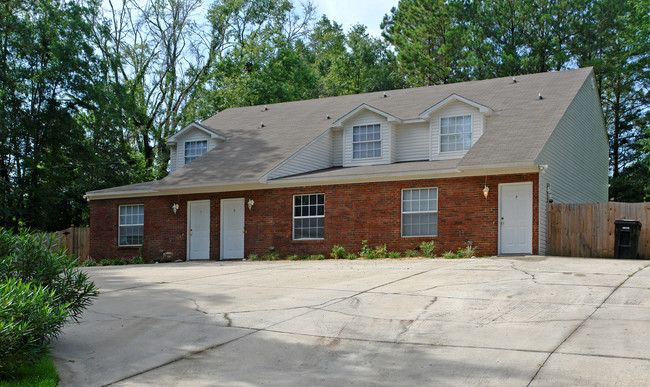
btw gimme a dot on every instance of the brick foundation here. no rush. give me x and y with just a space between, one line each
353 212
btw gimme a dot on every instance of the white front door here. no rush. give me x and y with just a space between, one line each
516 218
198 229
232 228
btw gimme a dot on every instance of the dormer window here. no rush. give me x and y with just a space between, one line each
455 133
194 150
366 141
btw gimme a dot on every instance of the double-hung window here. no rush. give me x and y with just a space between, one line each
309 216
420 212
455 133
366 141
131 225
194 150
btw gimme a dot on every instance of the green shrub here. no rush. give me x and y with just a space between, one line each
394 254
366 251
450 255
29 320
338 252
428 249
271 257
468 252
137 261
295 257
40 374
119 262
411 253
36 280
105 262
90 262
351 256
253 257
316 257
381 251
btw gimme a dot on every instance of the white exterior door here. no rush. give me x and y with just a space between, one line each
198 229
516 218
232 228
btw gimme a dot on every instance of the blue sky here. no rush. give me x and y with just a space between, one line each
350 12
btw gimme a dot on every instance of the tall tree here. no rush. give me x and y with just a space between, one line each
46 73
428 51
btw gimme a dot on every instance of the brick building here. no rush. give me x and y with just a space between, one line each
469 162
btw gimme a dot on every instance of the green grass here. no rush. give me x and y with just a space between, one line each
42 374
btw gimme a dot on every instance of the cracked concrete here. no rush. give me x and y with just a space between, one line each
503 321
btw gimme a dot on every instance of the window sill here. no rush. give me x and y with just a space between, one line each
303 241
129 246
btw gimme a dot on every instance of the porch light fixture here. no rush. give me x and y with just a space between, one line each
251 202
175 207
543 168
486 189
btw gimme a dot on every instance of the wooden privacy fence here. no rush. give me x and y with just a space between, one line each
74 239
587 230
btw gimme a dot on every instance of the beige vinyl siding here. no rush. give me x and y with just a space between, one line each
337 148
172 158
178 154
393 143
577 157
412 142
313 157
453 109
367 118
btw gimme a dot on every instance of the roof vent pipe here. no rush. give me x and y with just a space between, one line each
540 96
328 117
514 80
261 125
385 95
266 108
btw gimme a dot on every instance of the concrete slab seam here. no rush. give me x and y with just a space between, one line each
583 322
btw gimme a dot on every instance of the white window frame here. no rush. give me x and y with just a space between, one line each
411 212
295 217
368 142
129 225
451 135
202 147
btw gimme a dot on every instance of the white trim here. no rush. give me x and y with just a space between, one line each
222 227
188 224
373 126
195 125
462 151
500 209
455 97
293 217
401 210
389 117
119 224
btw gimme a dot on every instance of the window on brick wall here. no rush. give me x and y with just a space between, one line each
309 216
455 133
131 228
194 150
366 141
420 212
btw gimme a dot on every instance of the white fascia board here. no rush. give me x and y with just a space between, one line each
455 97
390 118
195 125
265 177
524 167
182 190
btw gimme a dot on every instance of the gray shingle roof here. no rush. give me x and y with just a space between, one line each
515 134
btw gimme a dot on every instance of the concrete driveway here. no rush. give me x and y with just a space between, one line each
518 321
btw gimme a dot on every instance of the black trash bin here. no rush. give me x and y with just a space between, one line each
626 244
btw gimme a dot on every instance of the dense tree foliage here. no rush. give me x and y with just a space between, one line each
90 89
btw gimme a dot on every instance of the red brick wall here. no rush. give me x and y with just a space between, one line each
353 212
